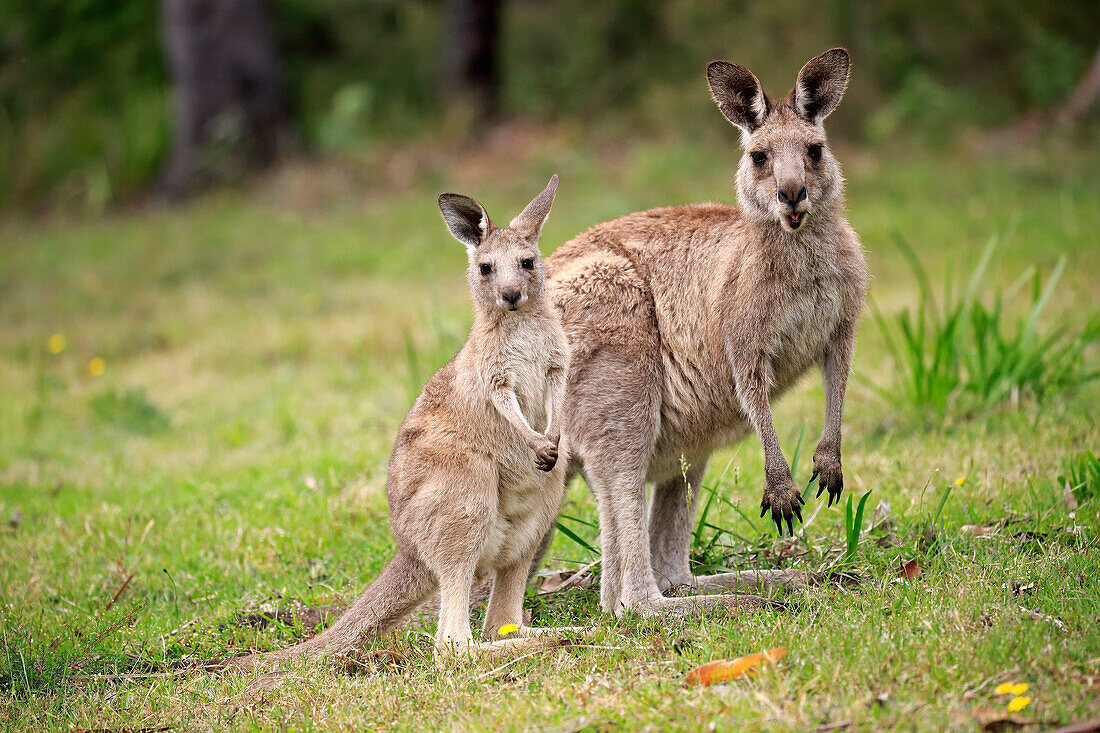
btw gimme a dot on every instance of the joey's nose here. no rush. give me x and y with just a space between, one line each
788 196
511 297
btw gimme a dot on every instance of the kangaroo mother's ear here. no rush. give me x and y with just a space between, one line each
738 94
821 84
528 223
465 218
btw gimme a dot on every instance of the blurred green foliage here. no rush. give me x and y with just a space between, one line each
84 102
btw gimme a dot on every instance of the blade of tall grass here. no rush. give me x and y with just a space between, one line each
943 502
578 539
853 525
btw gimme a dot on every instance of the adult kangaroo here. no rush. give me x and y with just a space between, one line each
685 322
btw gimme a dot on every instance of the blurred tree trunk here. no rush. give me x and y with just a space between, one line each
1084 95
227 90
470 43
1069 114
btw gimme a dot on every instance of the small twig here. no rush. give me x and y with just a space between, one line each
506 665
572 579
102 635
973 691
119 592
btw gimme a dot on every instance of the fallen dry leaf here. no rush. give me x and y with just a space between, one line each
724 670
561 579
978 530
910 569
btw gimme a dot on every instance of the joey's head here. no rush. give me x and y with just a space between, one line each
505 269
787 173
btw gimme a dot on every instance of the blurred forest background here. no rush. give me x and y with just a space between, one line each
89 116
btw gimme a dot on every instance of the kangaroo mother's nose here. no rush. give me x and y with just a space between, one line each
789 197
511 297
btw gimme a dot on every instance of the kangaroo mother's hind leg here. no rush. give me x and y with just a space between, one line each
671 515
671 518
616 468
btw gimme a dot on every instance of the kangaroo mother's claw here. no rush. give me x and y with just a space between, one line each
831 478
784 507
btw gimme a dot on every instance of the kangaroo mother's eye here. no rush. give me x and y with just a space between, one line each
528 264
759 157
814 152
486 268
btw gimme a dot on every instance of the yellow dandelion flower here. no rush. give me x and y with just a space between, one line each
1011 688
97 366
1018 704
960 480
507 629
56 344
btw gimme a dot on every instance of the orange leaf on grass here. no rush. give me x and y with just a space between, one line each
724 670
910 569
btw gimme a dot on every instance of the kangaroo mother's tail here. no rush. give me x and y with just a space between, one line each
402 586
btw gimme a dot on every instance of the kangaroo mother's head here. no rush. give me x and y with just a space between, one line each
505 267
788 172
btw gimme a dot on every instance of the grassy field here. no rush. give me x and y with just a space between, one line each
211 435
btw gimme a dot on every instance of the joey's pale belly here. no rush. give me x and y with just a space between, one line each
522 519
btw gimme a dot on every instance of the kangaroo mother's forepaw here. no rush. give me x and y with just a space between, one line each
829 477
785 503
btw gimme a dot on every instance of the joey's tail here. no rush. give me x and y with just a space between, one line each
402 586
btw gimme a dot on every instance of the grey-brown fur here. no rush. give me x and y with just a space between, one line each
685 322
474 481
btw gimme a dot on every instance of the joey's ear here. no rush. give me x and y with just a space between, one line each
821 84
465 218
529 222
738 94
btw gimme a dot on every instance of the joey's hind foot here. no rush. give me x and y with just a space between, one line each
829 475
785 503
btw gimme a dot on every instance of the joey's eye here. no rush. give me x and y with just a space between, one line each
814 152
528 264
486 268
759 157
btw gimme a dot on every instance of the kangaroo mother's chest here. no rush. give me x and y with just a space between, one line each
801 320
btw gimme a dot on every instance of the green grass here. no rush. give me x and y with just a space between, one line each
261 347
966 352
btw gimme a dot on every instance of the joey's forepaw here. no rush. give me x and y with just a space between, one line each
546 456
784 502
829 477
